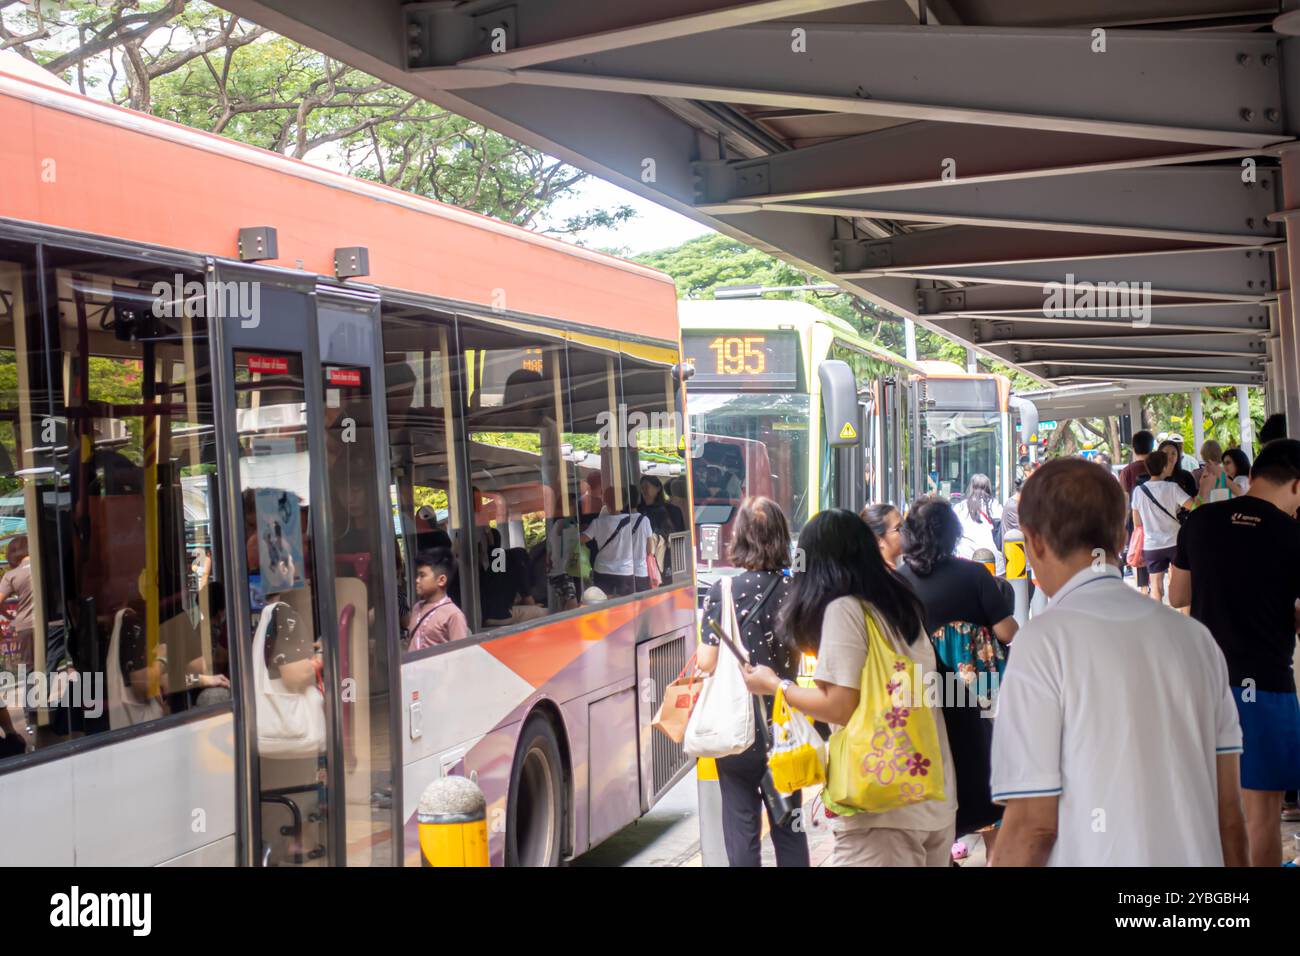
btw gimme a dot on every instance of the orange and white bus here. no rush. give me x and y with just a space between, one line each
241 396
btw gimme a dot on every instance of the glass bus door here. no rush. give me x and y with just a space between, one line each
297 417
362 537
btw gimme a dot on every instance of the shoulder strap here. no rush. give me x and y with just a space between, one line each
621 525
423 617
1147 491
762 598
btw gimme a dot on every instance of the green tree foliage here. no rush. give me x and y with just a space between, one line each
193 63
700 265
1165 413
1173 413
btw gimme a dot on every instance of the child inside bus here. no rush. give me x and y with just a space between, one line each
435 619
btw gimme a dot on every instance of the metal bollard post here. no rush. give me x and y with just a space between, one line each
713 851
453 823
1013 548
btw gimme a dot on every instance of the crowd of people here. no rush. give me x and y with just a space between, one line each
1109 728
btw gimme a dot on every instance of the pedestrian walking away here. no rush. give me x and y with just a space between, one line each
1116 741
760 545
1237 565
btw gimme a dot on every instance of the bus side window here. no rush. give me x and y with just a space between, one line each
655 457
515 410
108 492
423 460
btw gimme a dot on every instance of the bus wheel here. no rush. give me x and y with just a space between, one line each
535 803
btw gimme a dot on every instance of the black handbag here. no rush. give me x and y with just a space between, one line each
782 808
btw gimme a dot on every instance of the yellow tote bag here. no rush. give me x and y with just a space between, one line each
797 757
888 755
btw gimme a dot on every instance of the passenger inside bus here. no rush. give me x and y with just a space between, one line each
435 618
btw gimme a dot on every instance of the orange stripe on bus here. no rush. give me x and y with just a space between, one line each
540 653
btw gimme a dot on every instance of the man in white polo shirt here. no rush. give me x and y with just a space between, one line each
1116 740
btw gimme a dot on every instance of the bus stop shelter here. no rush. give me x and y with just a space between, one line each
1104 194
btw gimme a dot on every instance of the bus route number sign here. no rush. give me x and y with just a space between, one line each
744 359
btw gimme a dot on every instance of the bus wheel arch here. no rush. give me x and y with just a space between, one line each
539 801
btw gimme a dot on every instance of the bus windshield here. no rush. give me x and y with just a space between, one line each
749 444
962 444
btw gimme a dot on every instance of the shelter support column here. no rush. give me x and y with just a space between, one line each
1135 414
1286 321
1198 423
1244 425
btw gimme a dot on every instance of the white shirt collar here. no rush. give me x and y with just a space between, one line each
1083 579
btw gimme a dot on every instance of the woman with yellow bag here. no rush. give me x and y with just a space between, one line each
887 792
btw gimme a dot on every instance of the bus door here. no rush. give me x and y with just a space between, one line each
300 423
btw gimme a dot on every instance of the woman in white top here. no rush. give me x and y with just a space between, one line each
1236 469
844 577
1156 504
977 512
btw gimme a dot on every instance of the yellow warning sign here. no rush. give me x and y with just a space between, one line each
1015 554
848 432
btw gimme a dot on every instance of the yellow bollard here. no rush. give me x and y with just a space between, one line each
453 823
1013 547
713 850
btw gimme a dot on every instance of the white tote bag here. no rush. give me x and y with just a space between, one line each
722 722
289 725
124 708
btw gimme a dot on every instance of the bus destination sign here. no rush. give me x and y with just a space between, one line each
740 359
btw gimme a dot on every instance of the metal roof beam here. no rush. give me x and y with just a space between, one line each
543 30
1061 349
1023 304
1214 89
1209 273
1184 381
993 332
917 155
1118 364
994 335
1198 204
958 247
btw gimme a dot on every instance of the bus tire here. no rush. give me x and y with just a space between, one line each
535 805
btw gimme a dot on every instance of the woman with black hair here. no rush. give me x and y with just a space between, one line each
1180 475
1236 471
665 517
968 615
887 525
844 579
981 521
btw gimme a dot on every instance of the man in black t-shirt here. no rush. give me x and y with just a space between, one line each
1238 566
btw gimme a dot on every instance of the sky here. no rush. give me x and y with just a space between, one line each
653 228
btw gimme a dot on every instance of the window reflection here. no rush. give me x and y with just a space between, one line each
111 615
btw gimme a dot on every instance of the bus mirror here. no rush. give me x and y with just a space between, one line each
840 404
1027 412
